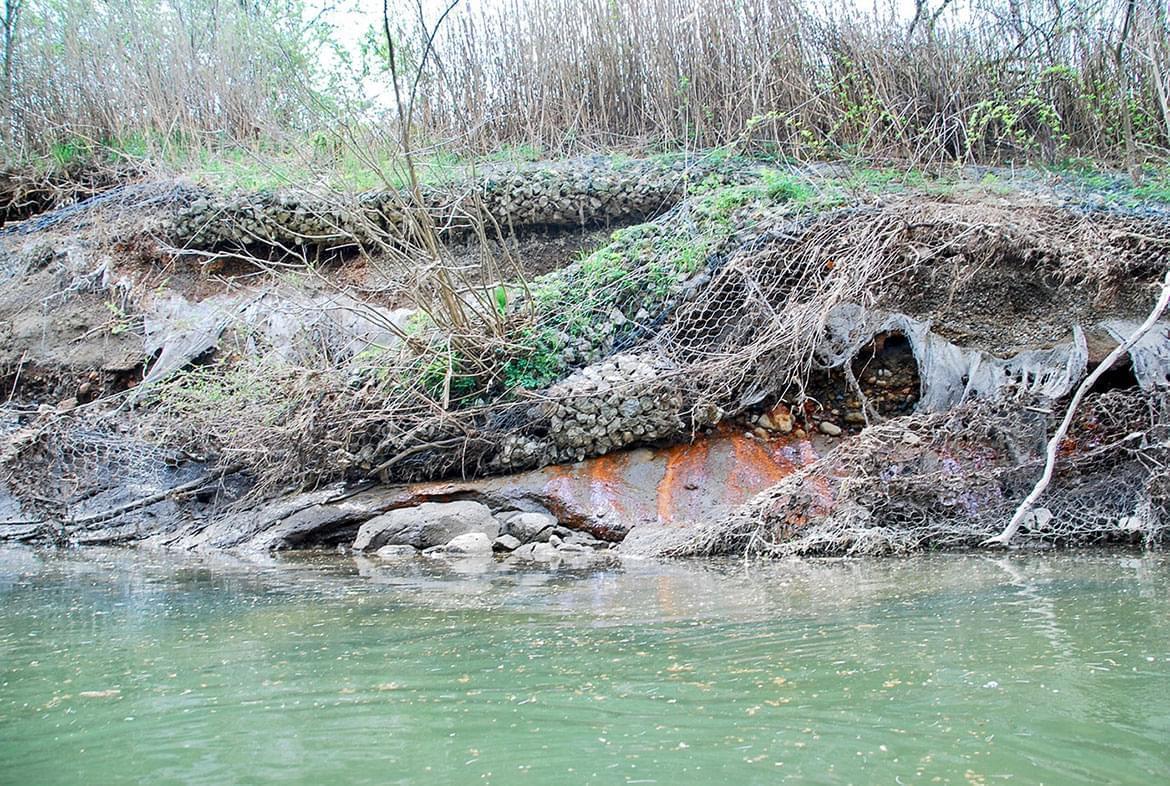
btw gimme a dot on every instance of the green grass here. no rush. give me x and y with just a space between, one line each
884 180
1155 187
538 367
515 154
1115 186
317 160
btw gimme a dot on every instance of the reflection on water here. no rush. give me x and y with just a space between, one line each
129 667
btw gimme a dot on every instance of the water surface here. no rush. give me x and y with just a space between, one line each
141 668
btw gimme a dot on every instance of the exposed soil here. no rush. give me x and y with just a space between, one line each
1022 298
47 323
538 253
77 284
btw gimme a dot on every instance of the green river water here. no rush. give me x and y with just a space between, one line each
122 667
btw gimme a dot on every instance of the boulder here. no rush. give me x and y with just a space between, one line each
429 524
470 543
530 527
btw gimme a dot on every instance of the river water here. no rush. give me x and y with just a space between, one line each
120 667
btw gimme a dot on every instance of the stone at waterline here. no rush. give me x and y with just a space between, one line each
535 552
506 543
544 552
530 527
523 553
586 540
397 552
427 525
470 543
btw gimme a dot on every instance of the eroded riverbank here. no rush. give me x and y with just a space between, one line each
130 666
782 360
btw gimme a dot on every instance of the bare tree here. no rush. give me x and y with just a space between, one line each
1123 85
406 110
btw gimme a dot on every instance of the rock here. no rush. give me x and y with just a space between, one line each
573 547
535 552
630 408
543 552
830 429
429 524
555 541
765 422
506 543
1038 519
584 539
397 552
470 543
781 418
524 553
530 527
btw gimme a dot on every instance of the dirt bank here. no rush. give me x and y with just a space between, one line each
759 343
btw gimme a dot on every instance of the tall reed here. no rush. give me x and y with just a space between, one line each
943 80
85 71
983 79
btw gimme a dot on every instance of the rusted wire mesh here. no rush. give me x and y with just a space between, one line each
729 309
728 318
952 479
57 463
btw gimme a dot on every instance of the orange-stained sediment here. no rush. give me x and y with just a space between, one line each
685 472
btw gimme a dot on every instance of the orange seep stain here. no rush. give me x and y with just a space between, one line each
686 465
562 485
758 464
606 482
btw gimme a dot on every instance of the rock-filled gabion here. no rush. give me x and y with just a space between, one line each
604 407
569 194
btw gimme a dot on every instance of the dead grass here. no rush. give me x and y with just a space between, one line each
985 81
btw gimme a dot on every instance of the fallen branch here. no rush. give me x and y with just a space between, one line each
143 502
386 465
1005 537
